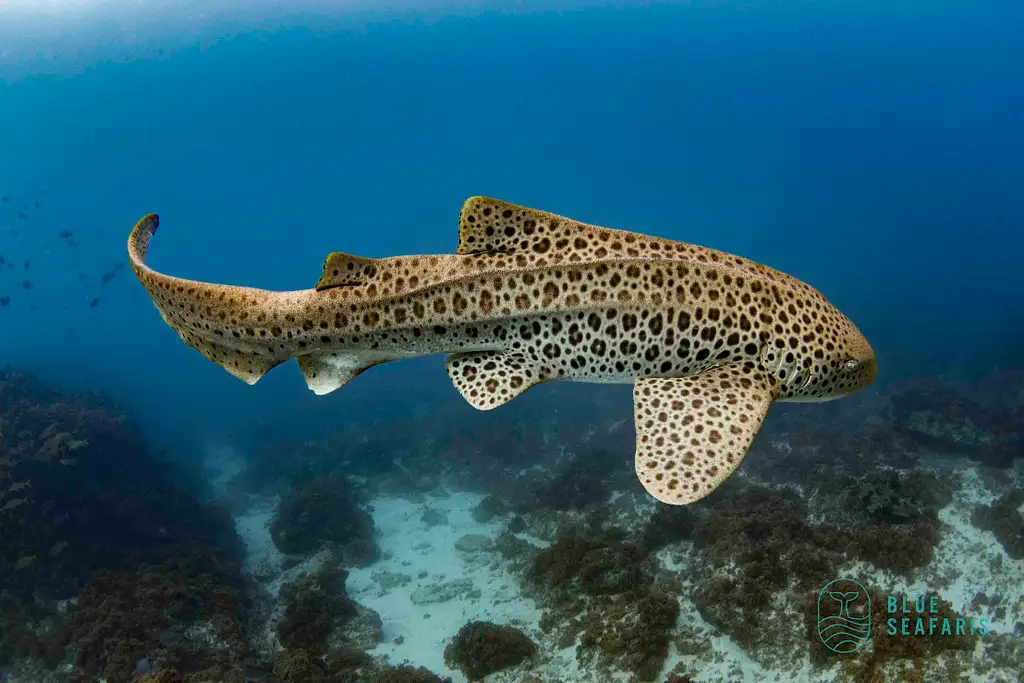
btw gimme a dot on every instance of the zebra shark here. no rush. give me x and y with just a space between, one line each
709 340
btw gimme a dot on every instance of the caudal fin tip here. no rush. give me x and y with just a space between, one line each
138 241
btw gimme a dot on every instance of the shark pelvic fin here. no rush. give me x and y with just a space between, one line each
345 270
692 432
488 379
327 372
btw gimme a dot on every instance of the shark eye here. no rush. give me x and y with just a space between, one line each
851 364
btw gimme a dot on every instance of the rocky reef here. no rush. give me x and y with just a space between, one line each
111 564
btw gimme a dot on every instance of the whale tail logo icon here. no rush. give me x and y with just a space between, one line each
844 615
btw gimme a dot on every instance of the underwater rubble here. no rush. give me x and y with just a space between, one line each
516 549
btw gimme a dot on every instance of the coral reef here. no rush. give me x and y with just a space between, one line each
313 606
630 634
895 497
578 484
159 614
341 665
481 648
668 524
88 513
79 493
943 417
325 511
407 674
811 453
591 566
602 590
1004 520
485 450
751 546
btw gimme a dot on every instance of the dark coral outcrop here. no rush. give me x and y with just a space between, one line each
90 513
947 418
480 648
314 605
602 591
325 511
1004 520
592 566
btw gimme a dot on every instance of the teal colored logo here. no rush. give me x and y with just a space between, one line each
844 616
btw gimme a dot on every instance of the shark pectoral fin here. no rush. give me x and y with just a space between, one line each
327 372
344 270
692 432
488 379
247 366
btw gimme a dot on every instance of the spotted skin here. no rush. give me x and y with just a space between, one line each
693 431
530 297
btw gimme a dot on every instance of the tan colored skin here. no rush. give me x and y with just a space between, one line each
529 297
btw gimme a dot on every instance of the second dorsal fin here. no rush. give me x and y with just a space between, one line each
343 270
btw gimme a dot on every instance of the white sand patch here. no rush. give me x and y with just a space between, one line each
428 555
262 558
425 589
221 464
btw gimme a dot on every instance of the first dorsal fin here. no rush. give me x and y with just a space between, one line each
344 270
492 226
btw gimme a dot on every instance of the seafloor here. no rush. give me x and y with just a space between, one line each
515 548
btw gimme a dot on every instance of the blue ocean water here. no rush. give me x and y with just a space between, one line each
873 150
870 149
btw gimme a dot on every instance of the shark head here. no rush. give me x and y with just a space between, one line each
821 361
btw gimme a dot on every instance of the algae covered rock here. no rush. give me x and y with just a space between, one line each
325 511
481 648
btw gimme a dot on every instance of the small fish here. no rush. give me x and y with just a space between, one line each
22 215
5 301
67 461
2 260
65 234
13 504
95 302
27 284
57 548
78 443
108 276
5 200
25 562
37 203
28 264
20 486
